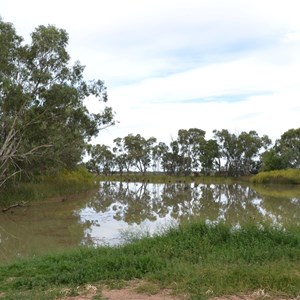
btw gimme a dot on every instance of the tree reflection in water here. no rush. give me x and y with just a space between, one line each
128 205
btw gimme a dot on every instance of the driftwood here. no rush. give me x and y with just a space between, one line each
14 205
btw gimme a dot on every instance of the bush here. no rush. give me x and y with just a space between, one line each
289 176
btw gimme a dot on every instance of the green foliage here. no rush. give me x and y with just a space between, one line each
44 124
285 153
290 176
241 151
271 160
133 151
193 259
227 154
102 159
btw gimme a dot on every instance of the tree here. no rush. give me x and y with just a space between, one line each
139 151
102 159
209 156
241 152
122 160
190 142
249 145
271 160
285 153
158 152
44 124
172 160
288 148
228 147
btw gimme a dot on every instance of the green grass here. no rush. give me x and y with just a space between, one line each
193 259
290 176
164 178
61 184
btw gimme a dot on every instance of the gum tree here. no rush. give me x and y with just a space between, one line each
285 153
139 151
190 142
241 152
44 124
102 159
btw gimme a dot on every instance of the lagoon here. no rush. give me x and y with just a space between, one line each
118 211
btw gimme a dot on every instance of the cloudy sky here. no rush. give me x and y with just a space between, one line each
180 64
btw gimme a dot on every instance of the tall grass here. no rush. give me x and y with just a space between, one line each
61 184
290 176
194 259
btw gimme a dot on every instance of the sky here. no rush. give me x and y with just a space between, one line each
180 64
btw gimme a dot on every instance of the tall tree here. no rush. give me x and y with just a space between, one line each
158 152
209 156
122 160
102 159
288 147
285 153
139 151
44 124
241 152
190 142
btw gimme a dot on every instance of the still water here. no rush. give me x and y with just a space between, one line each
119 210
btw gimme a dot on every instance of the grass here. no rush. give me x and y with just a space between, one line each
194 259
290 176
64 183
164 178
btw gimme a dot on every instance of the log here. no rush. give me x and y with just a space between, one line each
13 205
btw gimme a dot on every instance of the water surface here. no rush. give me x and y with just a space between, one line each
119 209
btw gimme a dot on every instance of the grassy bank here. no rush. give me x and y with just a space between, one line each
290 176
194 259
164 178
64 183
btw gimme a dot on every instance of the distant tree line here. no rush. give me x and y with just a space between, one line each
45 126
228 154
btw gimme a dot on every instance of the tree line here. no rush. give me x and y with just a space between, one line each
45 126
227 153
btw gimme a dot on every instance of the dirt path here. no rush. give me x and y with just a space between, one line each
137 290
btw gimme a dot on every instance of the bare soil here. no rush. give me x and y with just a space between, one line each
131 292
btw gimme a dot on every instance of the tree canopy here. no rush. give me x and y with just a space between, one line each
229 154
44 124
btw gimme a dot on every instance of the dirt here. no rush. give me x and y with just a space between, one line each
127 293
90 292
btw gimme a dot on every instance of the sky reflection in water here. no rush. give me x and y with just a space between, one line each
123 209
119 210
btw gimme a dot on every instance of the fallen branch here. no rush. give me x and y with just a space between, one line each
14 205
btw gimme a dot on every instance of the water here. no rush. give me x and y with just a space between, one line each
121 210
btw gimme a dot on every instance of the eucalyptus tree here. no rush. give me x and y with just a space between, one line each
139 151
228 146
172 160
250 145
241 152
288 147
272 160
102 159
209 156
158 152
190 142
122 159
285 153
44 124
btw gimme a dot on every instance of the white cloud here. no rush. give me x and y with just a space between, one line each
156 56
